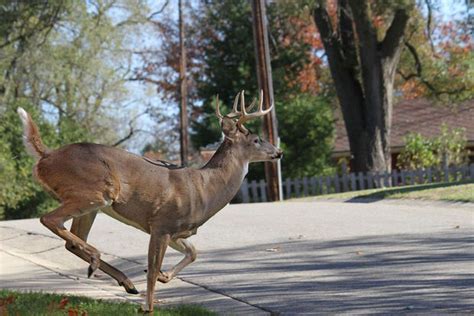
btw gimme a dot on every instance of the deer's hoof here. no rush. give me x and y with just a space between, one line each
129 287
93 266
131 291
163 277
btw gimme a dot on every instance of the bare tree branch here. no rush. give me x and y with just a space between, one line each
428 23
131 131
159 11
419 74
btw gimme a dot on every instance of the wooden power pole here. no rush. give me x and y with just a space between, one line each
183 113
264 73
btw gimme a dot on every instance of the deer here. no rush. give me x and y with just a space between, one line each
167 203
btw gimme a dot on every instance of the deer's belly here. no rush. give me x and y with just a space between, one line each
184 234
114 214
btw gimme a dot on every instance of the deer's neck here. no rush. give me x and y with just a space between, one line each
222 177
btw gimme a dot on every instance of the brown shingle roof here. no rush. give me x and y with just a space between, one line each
418 116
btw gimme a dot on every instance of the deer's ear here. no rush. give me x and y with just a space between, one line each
229 127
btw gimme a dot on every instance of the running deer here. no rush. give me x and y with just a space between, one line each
167 203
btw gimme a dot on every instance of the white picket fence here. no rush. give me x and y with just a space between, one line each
256 191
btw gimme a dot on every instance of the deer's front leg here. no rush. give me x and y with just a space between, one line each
185 247
156 251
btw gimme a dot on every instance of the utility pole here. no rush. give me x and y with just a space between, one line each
264 74
183 113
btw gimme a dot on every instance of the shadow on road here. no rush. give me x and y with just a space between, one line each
374 274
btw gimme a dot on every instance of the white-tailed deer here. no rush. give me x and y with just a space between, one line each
169 204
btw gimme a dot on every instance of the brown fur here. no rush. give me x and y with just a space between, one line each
169 204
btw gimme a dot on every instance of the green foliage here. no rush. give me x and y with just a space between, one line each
20 196
306 132
228 65
448 148
16 303
439 63
63 61
417 153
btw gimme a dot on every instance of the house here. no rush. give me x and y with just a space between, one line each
416 116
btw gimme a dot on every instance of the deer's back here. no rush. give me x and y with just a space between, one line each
92 171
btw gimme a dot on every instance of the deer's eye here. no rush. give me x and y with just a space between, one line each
256 141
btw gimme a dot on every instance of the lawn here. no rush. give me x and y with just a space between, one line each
33 303
453 192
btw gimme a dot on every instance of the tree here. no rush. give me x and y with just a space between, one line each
222 62
363 66
377 48
438 62
306 133
64 62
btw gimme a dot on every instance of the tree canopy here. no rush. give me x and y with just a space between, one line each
84 69
63 61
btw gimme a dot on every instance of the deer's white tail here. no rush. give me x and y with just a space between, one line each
31 136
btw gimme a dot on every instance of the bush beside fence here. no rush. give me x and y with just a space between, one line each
256 191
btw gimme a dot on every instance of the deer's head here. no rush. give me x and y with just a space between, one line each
250 145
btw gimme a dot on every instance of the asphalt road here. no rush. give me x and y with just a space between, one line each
288 258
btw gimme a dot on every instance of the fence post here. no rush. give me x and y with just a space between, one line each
345 184
353 182
244 188
305 186
464 172
446 173
297 184
370 181
421 178
253 187
411 174
429 175
312 182
337 183
394 178
328 184
288 188
320 183
263 190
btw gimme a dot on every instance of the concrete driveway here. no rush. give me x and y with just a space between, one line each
283 258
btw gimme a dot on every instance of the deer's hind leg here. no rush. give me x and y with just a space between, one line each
76 206
81 227
185 247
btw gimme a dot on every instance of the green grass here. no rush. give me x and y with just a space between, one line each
453 192
34 303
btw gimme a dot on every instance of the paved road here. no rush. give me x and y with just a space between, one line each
284 258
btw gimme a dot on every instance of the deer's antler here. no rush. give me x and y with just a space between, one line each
245 116
242 114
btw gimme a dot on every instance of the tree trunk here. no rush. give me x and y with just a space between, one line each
363 70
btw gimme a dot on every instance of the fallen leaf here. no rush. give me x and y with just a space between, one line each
62 304
8 300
